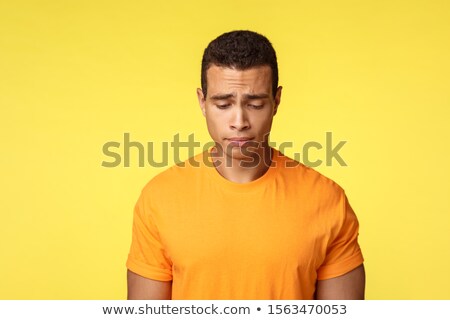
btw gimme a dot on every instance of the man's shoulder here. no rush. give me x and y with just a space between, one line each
303 176
178 175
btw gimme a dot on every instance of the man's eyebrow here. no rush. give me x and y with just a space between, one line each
248 96
256 96
222 96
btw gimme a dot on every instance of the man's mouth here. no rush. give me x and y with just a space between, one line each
239 141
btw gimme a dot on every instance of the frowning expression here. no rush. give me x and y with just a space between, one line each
239 107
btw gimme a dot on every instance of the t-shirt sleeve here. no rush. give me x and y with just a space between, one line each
147 256
343 252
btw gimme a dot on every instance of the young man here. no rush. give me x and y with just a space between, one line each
241 220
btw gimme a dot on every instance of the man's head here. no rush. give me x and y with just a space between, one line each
240 50
239 94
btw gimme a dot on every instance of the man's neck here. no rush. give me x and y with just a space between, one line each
243 170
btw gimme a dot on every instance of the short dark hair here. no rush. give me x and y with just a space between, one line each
240 49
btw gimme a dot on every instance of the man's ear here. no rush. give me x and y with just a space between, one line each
201 101
277 100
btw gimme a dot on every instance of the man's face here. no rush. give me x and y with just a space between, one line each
239 108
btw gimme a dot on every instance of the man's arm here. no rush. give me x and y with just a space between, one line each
140 288
349 286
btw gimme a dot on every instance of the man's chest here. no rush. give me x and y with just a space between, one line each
244 232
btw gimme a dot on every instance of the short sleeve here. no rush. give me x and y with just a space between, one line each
343 252
147 256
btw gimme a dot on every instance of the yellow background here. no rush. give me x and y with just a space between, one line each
77 74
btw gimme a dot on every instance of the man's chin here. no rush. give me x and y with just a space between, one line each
243 153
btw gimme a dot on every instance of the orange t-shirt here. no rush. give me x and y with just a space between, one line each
271 238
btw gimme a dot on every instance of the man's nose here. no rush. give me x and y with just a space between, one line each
239 120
